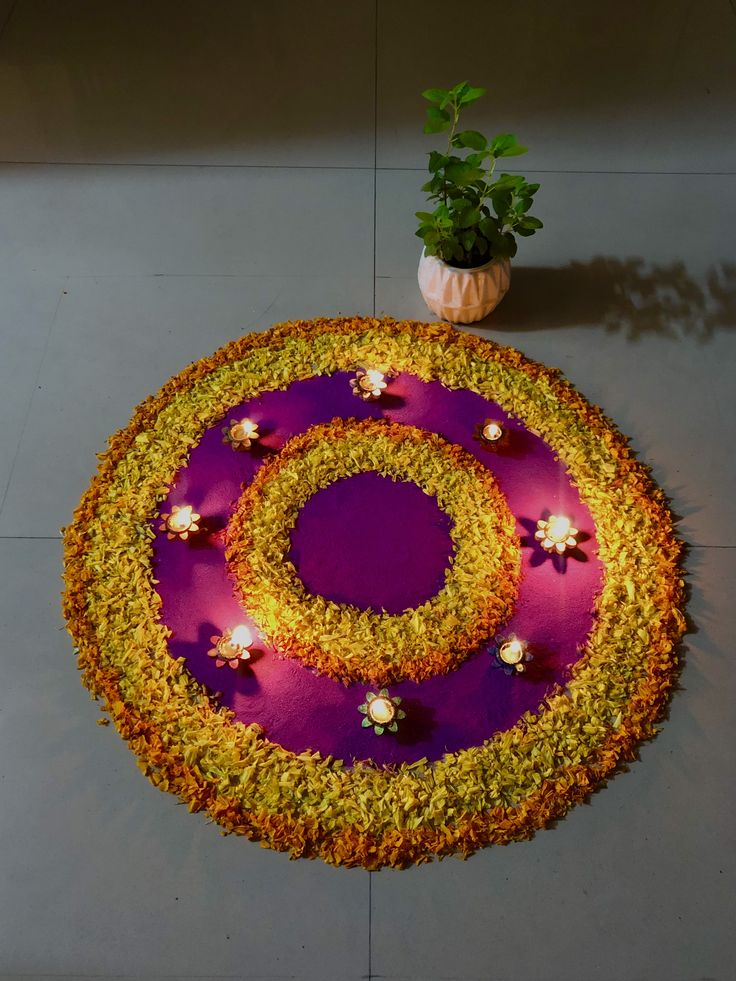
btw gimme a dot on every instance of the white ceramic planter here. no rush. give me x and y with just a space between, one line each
462 296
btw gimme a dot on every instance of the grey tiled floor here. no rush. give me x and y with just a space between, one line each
177 173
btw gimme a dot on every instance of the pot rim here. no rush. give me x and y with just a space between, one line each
472 269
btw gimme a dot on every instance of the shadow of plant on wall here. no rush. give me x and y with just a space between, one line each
628 295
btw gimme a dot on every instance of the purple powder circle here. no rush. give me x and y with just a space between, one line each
303 711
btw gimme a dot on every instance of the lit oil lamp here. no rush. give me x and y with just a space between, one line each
232 647
512 654
556 534
241 434
368 384
381 711
492 432
181 523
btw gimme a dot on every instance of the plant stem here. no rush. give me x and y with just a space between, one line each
456 116
487 183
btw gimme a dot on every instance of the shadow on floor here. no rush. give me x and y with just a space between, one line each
627 295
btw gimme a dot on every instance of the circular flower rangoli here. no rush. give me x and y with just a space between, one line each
237 602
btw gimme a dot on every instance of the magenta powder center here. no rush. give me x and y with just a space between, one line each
375 543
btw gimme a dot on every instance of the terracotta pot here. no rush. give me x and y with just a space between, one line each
462 296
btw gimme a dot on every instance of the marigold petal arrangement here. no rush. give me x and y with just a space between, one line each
356 811
479 587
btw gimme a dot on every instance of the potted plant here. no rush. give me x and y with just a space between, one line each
470 236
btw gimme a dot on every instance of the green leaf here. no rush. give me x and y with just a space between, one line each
515 151
470 138
366 723
436 161
511 248
434 95
459 201
526 230
462 174
424 216
437 120
470 95
468 240
378 730
502 142
450 248
505 145
531 222
506 182
501 203
489 227
499 245
469 217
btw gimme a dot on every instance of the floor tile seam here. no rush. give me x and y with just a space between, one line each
197 165
604 173
72 277
368 168
30 538
690 546
375 157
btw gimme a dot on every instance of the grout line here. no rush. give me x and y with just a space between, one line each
71 277
375 156
30 400
29 538
375 184
346 167
370 926
634 173
173 163
709 546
